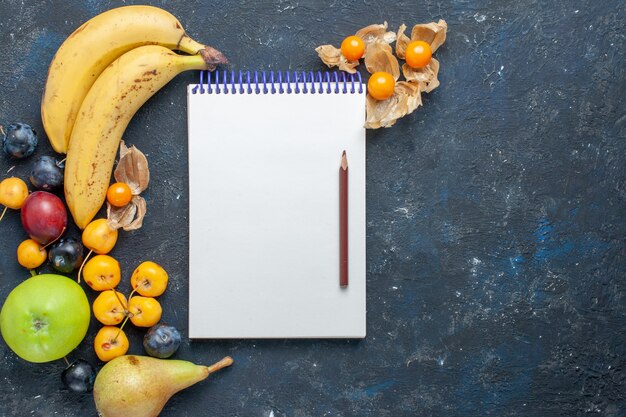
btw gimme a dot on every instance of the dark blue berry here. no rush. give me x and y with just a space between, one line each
79 376
19 141
46 174
66 255
161 341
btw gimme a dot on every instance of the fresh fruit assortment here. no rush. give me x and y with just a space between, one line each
388 98
100 76
111 307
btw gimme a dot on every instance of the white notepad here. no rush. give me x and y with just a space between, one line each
264 208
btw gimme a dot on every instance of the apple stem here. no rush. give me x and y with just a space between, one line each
33 273
55 239
59 163
2 130
66 361
80 270
3 211
227 361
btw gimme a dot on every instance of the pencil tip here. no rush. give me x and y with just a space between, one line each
344 160
344 153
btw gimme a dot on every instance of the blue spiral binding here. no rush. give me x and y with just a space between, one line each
320 82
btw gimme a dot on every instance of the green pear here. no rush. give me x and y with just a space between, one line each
139 386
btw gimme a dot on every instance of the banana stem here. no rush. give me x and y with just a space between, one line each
227 361
3 211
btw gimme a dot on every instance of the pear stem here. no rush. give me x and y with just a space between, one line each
3 212
227 361
80 270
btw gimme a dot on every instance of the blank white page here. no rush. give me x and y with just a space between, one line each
264 215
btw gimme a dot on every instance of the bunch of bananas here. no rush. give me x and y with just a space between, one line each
98 79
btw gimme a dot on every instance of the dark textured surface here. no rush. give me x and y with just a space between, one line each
496 251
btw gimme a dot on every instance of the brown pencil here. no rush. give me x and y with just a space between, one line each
343 221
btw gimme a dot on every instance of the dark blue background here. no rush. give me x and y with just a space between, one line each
495 215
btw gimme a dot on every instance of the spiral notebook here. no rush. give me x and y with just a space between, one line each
264 157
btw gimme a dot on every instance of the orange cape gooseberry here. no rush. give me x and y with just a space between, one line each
381 85
418 54
352 48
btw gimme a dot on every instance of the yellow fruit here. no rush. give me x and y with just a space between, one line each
145 311
122 88
93 47
30 254
110 342
149 279
13 192
102 272
109 307
99 237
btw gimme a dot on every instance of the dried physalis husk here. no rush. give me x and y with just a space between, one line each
384 113
375 34
432 33
332 57
372 34
379 57
426 77
132 169
435 35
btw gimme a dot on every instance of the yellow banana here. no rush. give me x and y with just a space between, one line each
92 47
122 88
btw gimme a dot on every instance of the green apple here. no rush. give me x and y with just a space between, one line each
45 318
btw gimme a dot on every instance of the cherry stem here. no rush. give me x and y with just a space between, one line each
119 299
120 329
66 361
227 361
55 239
80 270
131 293
3 212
